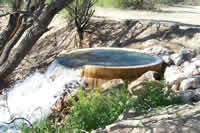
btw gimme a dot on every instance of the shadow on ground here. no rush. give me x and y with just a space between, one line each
123 34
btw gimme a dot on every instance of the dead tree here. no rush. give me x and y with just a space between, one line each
28 21
81 12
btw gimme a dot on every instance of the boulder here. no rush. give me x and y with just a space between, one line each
174 75
182 56
190 83
150 76
190 69
137 85
177 59
187 84
115 83
190 95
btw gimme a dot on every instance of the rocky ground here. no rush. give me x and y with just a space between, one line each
172 119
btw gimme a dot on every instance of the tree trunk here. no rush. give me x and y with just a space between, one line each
10 29
80 34
32 35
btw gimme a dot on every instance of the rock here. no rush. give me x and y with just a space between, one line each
190 83
180 58
190 69
187 84
158 50
174 75
167 60
150 76
137 85
190 95
177 59
115 83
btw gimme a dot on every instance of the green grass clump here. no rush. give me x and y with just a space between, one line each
96 110
155 96
93 110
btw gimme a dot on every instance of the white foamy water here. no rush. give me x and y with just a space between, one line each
34 97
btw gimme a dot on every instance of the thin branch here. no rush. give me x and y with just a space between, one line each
21 118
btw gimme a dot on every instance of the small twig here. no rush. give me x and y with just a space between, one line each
21 118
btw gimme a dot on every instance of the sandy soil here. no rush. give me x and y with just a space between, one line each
182 14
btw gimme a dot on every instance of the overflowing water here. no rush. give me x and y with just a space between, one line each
33 98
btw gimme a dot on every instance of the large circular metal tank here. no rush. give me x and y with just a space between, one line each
102 64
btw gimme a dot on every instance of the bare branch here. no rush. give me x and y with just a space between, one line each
81 12
13 41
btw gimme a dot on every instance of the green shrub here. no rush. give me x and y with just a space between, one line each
154 96
94 110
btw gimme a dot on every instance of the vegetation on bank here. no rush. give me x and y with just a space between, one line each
95 109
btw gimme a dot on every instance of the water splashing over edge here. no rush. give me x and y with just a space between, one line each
33 98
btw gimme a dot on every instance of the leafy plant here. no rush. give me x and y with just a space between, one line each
92 110
155 96
95 109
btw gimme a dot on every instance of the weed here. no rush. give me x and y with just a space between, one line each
155 96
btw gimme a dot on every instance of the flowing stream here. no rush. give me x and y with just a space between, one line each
33 98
